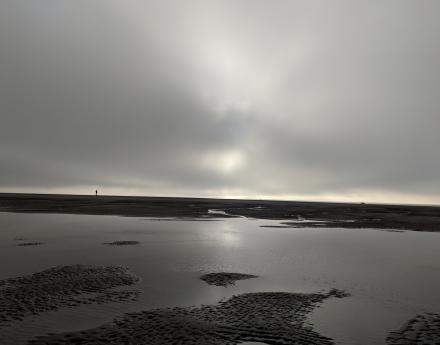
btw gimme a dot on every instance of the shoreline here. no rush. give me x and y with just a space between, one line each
304 214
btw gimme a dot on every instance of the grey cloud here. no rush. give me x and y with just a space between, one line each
221 98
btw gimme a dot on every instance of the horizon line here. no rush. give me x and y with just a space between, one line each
224 198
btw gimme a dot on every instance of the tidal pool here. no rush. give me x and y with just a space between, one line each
391 276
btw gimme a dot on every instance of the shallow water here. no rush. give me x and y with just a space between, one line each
392 276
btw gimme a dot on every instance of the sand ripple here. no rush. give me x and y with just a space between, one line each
423 329
62 286
224 278
270 317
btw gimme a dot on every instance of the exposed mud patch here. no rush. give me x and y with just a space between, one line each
423 329
225 278
270 317
27 244
122 243
62 286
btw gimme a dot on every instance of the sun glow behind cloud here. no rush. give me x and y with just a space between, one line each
227 78
233 77
223 162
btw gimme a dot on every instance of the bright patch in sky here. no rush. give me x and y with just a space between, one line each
226 162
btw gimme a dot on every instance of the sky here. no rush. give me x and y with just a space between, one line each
300 100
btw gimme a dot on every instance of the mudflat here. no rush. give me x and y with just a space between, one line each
221 272
269 317
308 214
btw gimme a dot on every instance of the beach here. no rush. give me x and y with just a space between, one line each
116 270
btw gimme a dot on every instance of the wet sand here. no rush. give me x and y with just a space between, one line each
26 244
122 243
257 285
65 286
422 329
345 215
224 278
269 317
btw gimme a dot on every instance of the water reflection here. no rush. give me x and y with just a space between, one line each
391 275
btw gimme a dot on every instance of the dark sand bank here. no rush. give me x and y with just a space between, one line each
225 278
122 243
64 286
27 244
423 329
419 218
269 317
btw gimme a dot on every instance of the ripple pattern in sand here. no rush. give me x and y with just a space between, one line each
224 278
270 317
424 329
62 286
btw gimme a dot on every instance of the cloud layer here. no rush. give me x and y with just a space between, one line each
287 99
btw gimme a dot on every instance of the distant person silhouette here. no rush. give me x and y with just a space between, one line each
96 192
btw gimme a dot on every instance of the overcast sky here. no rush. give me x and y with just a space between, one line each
316 100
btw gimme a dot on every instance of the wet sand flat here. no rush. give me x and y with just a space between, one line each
230 280
422 329
65 286
275 318
225 278
345 215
